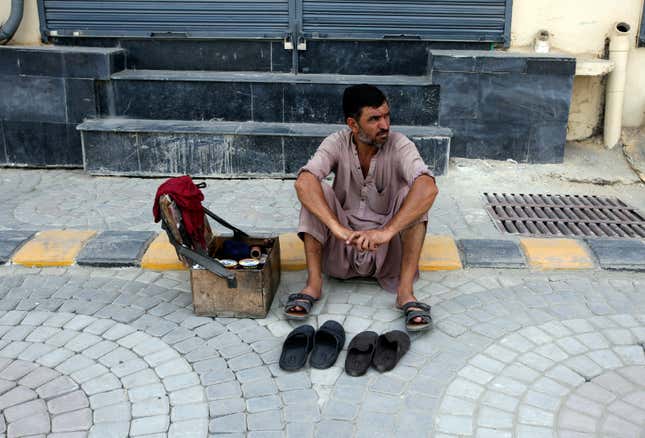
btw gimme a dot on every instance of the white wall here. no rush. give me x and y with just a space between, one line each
581 27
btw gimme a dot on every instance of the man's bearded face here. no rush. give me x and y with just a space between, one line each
374 125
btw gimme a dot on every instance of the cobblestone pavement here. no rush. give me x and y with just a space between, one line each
36 199
118 352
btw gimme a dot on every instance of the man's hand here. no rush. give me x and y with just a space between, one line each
369 240
341 232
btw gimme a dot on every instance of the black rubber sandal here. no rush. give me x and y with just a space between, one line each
296 348
299 300
390 348
328 343
416 309
360 353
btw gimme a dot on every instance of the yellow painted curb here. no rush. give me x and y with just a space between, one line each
292 253
161 256
550 254
52 248
439 253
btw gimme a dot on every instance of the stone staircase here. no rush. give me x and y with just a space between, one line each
158 121
159 107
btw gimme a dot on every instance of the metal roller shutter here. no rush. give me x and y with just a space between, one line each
436 20
144 18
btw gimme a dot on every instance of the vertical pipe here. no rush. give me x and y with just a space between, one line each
619 45
9 28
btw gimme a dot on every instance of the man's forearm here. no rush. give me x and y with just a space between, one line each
418 201
311 196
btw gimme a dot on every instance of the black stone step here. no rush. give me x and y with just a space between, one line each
259 97
137 147
61 61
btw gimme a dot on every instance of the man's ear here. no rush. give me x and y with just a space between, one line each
353 125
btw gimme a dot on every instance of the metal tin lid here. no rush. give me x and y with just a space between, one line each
228 263
249 263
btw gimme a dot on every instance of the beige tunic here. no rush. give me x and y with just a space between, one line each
363 203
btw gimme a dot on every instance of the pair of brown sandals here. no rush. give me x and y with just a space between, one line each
411 310
369 349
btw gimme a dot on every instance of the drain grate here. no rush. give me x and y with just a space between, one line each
564 215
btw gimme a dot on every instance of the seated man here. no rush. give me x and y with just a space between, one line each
372 223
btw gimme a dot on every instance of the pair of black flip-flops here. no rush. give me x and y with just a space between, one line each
324 345
383 352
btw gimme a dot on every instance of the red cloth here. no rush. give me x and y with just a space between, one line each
189 199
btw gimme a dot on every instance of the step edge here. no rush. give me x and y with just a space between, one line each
232 128
273 77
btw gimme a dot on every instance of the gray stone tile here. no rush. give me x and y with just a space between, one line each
115 248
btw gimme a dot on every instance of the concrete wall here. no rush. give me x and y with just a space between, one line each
577 27
581 27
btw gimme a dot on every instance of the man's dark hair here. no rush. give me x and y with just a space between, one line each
357 97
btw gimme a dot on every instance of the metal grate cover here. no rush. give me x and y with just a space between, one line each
564 215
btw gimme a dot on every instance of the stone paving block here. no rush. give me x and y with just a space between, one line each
18 369
113 413
228 424
149 425
55 357
108 398
489 253
52 248
553 254
57 387
439 253
106 382
455 425
10 241
115 249
494 418
180 381
72 421
88 373
161 255
619 254
115 429
151 407
32 425
631 355
292 253
300 430
194 394
68 402
268 420
572 420
23 410
226 406
38 377
187 429
140 378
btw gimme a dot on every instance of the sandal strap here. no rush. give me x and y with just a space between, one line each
334 329
420 305
425 316
300 300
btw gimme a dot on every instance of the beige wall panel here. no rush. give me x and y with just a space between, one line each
586 107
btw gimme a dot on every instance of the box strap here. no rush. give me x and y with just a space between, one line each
237 233
209 263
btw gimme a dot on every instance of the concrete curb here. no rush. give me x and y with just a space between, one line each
440 253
